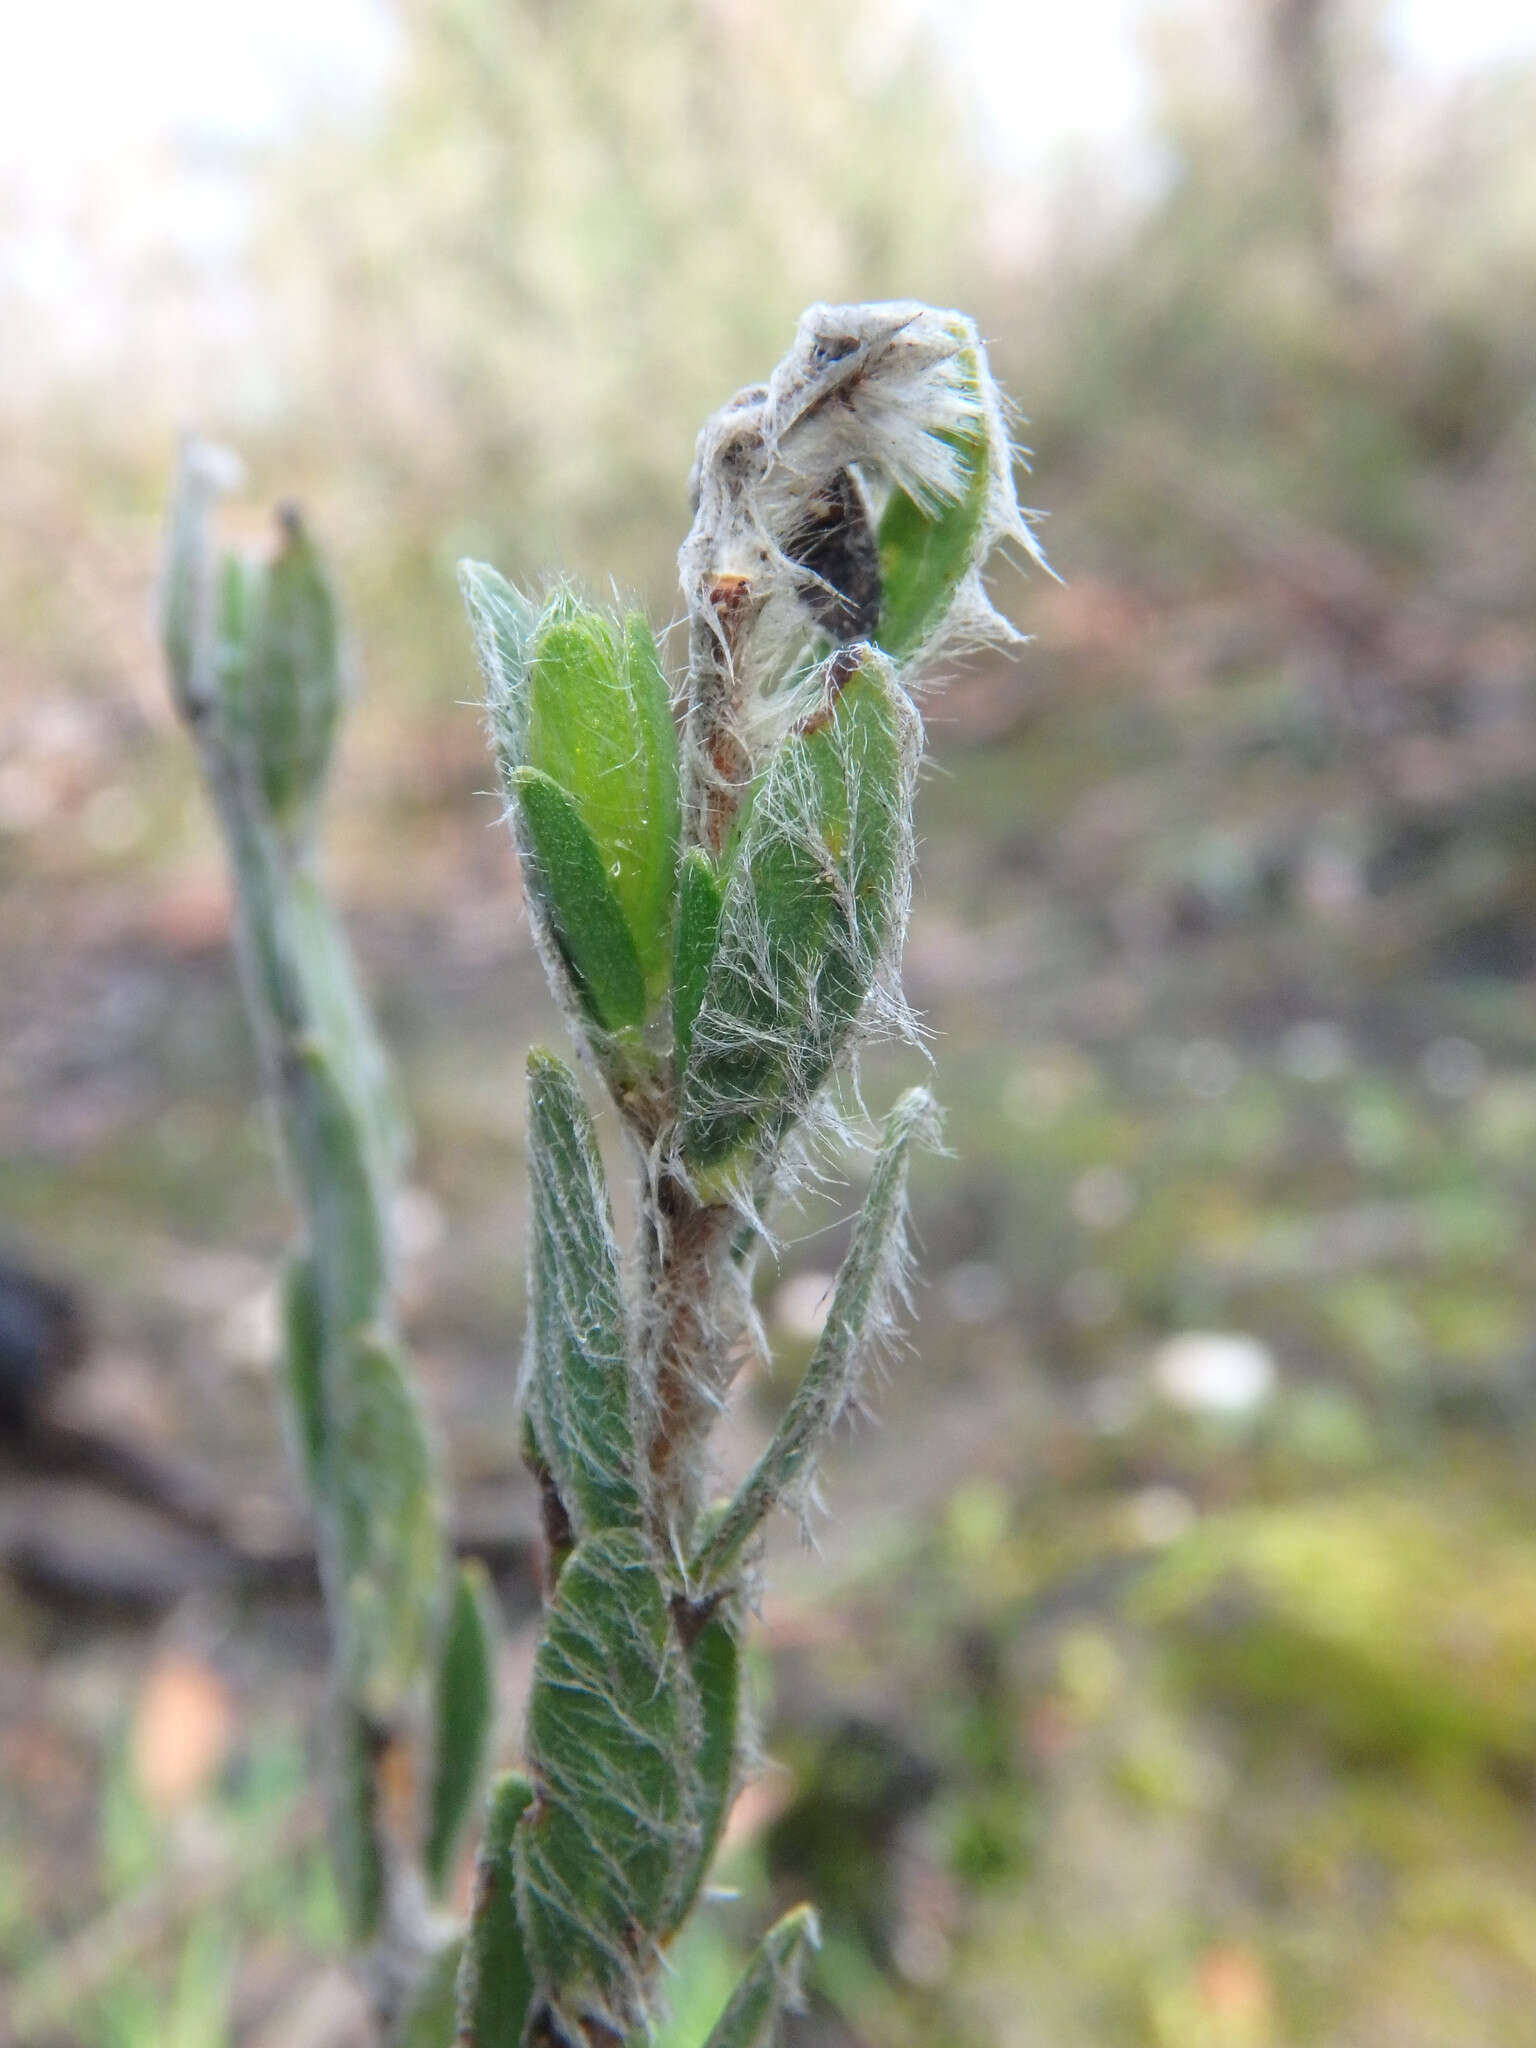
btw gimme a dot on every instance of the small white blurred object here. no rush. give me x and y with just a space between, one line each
1213 1372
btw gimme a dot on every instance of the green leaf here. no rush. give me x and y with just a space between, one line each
645 847
926 553
502 621
387 1529
769 1984
582 698
869 1274
813 905
293 688
342 1194
569 885
699 897
356 1855
304 1370
579 1379
341 1019
609 1723
714 1659
495 1980
241 590
465 1721
600 725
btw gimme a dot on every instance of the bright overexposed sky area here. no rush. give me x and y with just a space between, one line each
82 79
1045 72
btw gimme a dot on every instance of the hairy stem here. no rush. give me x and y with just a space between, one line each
685 1243
717 763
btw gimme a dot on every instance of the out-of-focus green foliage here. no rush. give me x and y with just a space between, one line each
1348 335
572 231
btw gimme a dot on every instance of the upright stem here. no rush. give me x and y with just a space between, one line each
254 677
353 1295
718 765
688 1367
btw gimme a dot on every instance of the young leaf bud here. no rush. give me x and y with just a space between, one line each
854 496
581 700
287 694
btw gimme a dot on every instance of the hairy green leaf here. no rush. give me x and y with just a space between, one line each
814 902
582 698
465 1720
569 884
869 1272
926 553
495 1979
579 1384
769 1985
600 725
714 1659
609 1719
502 621
698 927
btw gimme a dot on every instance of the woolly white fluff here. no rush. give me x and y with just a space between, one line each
873 389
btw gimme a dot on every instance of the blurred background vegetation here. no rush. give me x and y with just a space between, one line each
1167 1678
